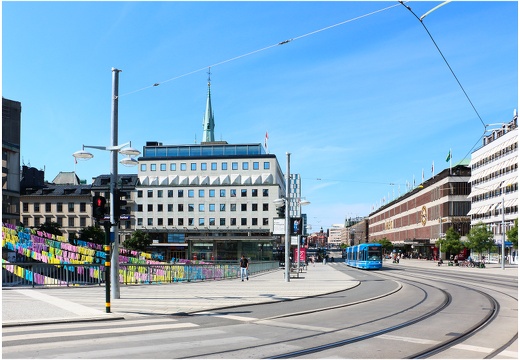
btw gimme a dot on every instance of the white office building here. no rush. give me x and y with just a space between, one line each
209 201
494 180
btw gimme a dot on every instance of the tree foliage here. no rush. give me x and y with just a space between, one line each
139 241
92 234
512 234
51 228
451 244
480 239
385 244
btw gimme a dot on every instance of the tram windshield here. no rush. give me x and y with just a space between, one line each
374 253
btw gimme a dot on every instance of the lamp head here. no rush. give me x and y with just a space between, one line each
83 155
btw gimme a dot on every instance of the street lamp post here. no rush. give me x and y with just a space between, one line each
503 236
125 149
287 218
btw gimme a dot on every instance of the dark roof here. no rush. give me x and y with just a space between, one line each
126 181
59 190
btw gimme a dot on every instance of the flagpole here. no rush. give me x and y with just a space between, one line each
451 156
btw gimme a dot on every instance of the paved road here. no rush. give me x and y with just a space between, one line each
52 305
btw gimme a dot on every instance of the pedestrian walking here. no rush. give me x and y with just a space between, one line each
244 266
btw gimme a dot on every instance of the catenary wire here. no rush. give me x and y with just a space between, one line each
452 72
263 49
446 61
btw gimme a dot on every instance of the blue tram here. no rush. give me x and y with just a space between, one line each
364 256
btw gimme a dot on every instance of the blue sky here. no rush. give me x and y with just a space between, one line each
360 106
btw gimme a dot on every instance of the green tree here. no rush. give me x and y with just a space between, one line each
139 241
51 228
92 234
451 244
480 238
512 234
385 244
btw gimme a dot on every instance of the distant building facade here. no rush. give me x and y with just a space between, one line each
63 201
68 203
357 230
209 201
416 220
494 180
11 125
337 236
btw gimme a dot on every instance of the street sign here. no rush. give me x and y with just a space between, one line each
279 226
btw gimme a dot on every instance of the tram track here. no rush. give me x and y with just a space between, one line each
510 282
324 343
424 316
486 283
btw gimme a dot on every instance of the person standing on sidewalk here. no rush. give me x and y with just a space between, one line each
244 266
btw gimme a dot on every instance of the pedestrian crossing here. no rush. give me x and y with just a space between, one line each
168 337
137 338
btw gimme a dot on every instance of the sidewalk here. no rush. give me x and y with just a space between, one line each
493 268
51 305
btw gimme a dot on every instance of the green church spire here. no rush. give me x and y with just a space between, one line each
208 124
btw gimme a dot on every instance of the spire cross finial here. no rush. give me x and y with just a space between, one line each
209 75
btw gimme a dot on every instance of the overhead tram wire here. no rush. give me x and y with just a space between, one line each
262 49
452 72
442 55
355 181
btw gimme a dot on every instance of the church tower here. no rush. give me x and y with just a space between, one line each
208 123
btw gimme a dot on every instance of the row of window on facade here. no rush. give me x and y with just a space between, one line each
495 156
202 207
202 192
204 166
494 212
496 174
203 222
71 221
59 207
495 193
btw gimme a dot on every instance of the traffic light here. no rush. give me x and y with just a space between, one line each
281 211
119 205
99 207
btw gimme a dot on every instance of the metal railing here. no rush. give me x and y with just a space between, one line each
43 274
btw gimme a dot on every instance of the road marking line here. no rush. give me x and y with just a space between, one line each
130 339
98 324
294 326
408 339
75 308
466 347
227 316
121 329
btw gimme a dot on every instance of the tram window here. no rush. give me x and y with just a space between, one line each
374 253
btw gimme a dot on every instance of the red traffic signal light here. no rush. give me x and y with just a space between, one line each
99 207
